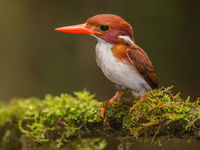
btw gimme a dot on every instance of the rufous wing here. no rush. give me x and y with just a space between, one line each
141 61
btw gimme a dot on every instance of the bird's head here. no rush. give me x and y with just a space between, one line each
108 27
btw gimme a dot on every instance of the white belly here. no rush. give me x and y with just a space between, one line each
118 72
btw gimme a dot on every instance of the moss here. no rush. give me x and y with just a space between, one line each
164 114
58 120
61 117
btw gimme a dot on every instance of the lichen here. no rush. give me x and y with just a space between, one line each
59 120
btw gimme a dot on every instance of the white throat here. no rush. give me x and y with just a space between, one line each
103 49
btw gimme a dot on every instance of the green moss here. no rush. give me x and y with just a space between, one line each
61 119
162 113
64 116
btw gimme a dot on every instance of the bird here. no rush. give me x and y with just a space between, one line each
121 60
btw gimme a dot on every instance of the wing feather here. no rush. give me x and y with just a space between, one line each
141 61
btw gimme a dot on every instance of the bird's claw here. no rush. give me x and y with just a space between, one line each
103 110
133 107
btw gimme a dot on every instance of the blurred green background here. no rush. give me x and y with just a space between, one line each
36 60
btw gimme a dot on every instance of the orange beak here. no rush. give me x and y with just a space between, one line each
78 29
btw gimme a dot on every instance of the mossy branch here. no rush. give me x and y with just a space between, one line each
60 119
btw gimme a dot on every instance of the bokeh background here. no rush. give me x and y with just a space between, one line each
36 60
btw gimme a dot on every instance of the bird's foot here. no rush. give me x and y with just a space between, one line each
103 110
139 101
112 100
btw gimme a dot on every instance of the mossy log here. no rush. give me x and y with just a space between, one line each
57 120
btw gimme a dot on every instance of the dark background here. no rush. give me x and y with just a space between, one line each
36 60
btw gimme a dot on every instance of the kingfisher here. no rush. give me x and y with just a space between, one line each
121 60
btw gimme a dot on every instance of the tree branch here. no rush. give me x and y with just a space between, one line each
54 121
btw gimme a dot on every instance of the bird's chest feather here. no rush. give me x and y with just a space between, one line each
106 60
114 69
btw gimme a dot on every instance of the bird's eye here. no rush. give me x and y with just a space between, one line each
104 27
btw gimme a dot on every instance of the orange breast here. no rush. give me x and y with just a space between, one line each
119 51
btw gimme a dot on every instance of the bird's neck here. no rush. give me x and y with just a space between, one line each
106 50
103 48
